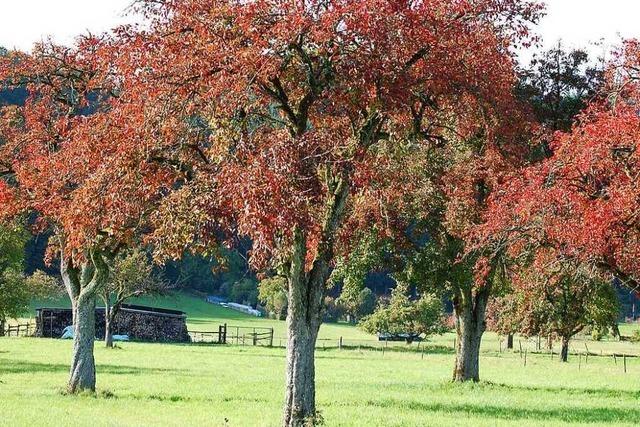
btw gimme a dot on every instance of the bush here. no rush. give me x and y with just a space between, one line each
403 316
635 336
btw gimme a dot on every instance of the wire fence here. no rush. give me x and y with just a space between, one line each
525 348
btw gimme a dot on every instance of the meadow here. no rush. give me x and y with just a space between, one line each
361 385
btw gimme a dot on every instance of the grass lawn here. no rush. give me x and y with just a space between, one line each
183 385
160 384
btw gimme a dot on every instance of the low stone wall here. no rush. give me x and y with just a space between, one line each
139 322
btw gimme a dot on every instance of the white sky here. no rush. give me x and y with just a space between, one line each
577 22
24 22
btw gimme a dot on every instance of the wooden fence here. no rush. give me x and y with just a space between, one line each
19 330
210 337
239 335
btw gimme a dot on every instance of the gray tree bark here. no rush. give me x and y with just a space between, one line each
83 367
303 324
82 284
108 321
564 352
470 313
304 317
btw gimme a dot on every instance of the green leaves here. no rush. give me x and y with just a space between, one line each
401 315
16 290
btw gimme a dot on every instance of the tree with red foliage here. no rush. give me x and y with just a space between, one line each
581 204
74 158
502 316
293 109
583 201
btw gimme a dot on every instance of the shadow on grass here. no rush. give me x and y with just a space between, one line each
428 349
513 413
8 366
599 392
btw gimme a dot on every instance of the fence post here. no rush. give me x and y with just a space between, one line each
579 361
624 360
340 344
225 334
255 338
271 339
525 357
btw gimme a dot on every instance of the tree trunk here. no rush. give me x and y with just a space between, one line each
615 330
470 313
300 394
305 304
83 368
108 334
564 353
303 323
2 328
510 341
108 321
83 282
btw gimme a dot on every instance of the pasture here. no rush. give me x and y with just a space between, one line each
152 384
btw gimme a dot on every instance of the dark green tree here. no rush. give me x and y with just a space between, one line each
558 84
16 289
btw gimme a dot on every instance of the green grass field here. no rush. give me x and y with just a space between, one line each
184 385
